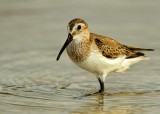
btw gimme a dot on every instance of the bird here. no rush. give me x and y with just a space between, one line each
99 54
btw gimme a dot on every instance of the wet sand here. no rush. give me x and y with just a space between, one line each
33 82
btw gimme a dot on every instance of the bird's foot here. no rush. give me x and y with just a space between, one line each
100 92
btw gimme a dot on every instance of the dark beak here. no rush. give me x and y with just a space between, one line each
69 39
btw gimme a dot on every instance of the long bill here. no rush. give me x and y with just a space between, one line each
69 39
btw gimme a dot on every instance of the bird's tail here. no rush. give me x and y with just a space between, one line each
138 49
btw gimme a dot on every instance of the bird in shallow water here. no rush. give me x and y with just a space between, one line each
98 54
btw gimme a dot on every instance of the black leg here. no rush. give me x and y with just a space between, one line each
101 85
101 91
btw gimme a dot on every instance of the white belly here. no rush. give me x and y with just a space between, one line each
98 64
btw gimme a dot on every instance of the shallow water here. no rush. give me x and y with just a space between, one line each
32 81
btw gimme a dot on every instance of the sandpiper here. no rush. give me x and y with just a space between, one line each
98 54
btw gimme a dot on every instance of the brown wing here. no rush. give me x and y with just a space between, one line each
112 49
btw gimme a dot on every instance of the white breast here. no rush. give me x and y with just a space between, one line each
98 64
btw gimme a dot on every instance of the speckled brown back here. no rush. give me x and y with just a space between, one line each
112 49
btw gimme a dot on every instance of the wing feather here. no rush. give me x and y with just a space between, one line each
110 48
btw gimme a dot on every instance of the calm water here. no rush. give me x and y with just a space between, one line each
33 82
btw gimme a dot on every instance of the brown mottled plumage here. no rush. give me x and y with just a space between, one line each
99 54
78 53
112 49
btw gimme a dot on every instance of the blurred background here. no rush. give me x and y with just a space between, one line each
33 31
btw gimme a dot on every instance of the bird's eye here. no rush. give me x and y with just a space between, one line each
78 27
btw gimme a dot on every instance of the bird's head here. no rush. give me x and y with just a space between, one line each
77 30
77 27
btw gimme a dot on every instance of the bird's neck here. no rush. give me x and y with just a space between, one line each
79 49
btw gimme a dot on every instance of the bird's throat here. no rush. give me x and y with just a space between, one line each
78 50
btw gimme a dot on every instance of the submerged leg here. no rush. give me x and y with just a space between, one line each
101 91
101 82
101 79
